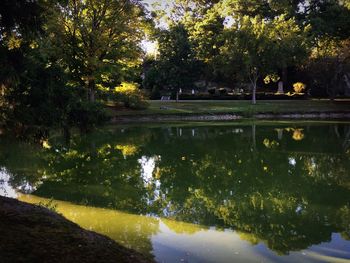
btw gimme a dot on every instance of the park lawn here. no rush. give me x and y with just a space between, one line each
242 107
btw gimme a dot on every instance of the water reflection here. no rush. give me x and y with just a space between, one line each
173 241
284 187
6 189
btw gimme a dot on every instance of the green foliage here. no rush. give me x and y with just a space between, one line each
263 47
19 25
130 95
85 114
237 41
43 98
97 41
328 67
176 67
329 18
54 55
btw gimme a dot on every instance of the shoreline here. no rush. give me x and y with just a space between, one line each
142 118
32 233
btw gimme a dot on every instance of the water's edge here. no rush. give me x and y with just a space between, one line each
45 234
232 116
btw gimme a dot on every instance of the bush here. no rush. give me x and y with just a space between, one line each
155 93
212 91
86 115
222 91
299 87
131 96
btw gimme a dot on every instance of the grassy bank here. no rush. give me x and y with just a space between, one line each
244 108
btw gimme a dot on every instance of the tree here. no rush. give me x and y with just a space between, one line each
20 21
329 63
176 67
328 18
235 40
34 93
261 46
21 25
207 36
97 41
328 68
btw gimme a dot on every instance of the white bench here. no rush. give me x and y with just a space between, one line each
165 98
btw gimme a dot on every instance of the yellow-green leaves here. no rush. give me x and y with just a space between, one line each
13 41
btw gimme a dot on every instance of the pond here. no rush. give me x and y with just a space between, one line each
218 192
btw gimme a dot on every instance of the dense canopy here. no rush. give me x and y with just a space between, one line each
63 61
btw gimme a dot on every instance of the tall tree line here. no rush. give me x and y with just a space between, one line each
59 59
234 41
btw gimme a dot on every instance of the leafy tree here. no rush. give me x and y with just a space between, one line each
328 65
210 25
130 95
52 52
328 69
176 67
23 77
98 41
262 47
19 22
207 36
328 18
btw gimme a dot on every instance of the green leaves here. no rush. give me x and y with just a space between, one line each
176 67
98 38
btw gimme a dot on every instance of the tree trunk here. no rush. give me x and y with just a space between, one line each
346 138
254 136
66 134
285 77
254 93
335 81
253 80
177 95
347 84
330 92
336 131
91 90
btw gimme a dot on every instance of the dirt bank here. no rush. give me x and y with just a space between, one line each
32 233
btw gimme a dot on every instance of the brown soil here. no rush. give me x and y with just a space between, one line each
30 233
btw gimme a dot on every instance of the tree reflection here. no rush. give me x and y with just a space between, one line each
289 189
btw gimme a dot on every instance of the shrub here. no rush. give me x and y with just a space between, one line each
298 135
86 115
299 87
222 91
271 78
155 93
212 91
130 95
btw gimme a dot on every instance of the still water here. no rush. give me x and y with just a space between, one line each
273 192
